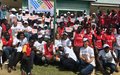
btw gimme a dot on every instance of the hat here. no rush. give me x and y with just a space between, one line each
40 36
23 11
46 36
25 21
20 9
40 19
26 10
45 25
106 45
85 39
13 9
35 24
72 14
65 33
65 14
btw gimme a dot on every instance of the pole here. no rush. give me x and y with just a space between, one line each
54 20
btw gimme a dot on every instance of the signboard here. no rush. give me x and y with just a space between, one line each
41 6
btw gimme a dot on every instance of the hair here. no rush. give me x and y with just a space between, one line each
19 33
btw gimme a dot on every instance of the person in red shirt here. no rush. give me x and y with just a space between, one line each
28 57
98 38
78 37
48 51
89 35
4 23
7 48
109 38
61 29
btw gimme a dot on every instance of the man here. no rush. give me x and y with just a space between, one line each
87 58
39 50
28 56
108 58
117 44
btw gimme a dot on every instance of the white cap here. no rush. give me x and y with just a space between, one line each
68 12
45 25
65 33
105 45
20 9
38 12
23 11
13 9
25 21
46 36
65 14
26 10
85 39
40 36
35 24
72 14
40 19
94 13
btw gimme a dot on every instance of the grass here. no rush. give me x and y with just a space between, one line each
42 70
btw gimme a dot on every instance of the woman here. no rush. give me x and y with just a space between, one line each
18 43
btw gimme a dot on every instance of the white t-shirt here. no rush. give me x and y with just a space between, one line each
66 42
57 43
0 31
107 56
16 29
70 53
117 42
87 53
40 46
28 28
22 43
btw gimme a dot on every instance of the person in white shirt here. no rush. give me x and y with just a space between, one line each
27 29
117 44
108 58
66 41
39 45
87 58
18 44
68 59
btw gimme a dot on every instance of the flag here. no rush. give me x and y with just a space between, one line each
35 4
48 3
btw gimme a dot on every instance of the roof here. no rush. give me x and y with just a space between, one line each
108 1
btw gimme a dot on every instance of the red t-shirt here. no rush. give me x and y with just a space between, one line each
98 42
78 39
3 27
48 50
60 31
109 39
89 36
7 43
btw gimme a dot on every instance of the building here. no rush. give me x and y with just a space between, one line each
12 3
105 5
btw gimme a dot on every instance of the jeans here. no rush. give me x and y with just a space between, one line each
111 66
8 51
85 69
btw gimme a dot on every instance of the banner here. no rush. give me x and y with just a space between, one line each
41 6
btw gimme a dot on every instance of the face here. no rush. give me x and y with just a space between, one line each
22 36
64 37
107 49
31 42
88 30
86 43
57 36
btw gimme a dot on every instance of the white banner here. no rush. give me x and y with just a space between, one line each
41 6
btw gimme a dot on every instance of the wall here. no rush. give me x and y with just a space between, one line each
12 3
73 5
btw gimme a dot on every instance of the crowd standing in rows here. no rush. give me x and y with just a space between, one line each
80 40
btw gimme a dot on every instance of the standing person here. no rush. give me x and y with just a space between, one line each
87 58
109 38
108 58
117 44
78 37
27 58
98 38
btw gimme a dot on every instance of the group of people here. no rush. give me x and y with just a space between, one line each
80 41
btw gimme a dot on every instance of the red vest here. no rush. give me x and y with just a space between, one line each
48 50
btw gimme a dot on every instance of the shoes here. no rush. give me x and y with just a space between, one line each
9 70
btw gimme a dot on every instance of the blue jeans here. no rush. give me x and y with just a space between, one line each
85 69
8 51
111 66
